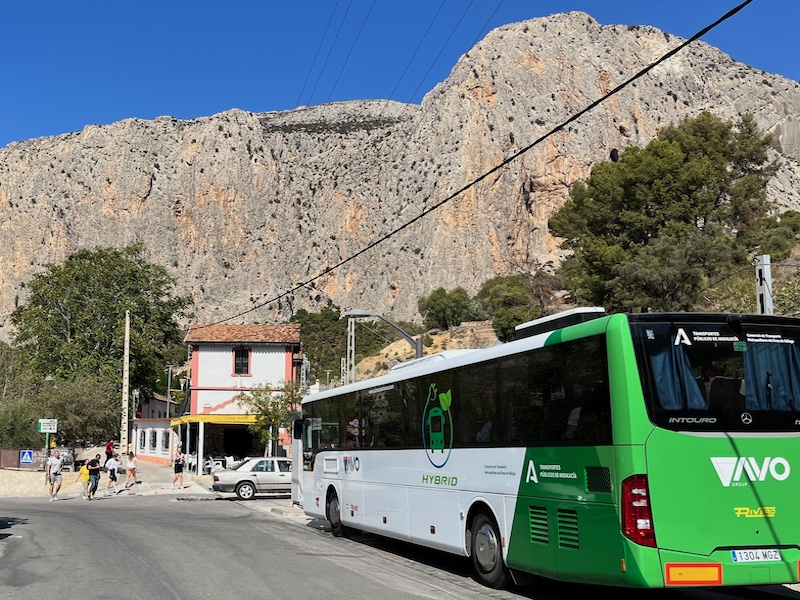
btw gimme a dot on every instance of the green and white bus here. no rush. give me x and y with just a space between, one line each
641 450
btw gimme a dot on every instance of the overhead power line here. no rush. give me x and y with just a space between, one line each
494 169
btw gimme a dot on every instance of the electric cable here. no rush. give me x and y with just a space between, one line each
316 55
352 47
330 51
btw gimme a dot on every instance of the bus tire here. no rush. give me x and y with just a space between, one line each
486 553
334 512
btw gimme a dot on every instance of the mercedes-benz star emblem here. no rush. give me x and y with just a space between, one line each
747 418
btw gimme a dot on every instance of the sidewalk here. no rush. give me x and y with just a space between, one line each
155 480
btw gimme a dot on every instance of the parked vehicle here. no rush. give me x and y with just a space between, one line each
255 476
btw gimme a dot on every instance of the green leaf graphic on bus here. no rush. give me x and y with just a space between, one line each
437 426
446 399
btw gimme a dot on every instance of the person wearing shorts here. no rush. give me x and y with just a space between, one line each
178 463
130 470
54 464
112 466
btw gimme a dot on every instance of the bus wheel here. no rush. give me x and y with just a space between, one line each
487 553
335 515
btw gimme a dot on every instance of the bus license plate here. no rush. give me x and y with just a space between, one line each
756 555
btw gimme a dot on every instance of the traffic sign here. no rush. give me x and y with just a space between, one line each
48 425
26 457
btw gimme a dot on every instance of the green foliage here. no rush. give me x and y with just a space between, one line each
786 299
19 419
649 231
508 301
325 339
272 408
73 324
443 309
735 293
86 408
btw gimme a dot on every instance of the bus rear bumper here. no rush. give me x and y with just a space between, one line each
686 570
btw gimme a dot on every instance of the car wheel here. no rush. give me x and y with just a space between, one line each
335 515
245 490
487 553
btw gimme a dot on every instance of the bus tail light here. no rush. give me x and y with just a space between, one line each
637 516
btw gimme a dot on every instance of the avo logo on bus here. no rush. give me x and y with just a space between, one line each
351 464
735 470
437 426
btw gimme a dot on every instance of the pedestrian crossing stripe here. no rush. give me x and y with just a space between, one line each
26 457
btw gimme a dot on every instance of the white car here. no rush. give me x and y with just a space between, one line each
255 476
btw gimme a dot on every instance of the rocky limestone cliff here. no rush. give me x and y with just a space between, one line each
241 207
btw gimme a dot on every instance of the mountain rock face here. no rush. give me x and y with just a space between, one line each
242 208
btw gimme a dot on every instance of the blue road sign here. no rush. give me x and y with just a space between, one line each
26 457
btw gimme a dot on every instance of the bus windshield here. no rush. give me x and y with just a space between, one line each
708 372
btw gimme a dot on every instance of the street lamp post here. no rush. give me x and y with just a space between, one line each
169 389
357 313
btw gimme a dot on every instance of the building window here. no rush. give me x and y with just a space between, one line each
141 439
165 440
152 440
241 361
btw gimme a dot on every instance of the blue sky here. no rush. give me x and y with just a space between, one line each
70 64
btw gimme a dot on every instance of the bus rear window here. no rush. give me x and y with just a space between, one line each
709 372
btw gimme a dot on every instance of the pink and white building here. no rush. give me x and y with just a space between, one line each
226 361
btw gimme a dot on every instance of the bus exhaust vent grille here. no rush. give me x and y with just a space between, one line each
568 529
537 517
598 480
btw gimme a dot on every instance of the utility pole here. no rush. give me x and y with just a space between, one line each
351 350
764 284
123 433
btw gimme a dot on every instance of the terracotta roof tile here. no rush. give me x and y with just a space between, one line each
221 334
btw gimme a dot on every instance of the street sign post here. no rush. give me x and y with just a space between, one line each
26 457
48 426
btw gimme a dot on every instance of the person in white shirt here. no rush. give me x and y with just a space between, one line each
112 466
54 464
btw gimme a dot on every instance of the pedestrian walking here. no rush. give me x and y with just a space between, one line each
53 475
112 466
178 462
130 470
109 450
94 476
83 477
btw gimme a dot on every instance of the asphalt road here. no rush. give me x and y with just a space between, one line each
163 547
190 547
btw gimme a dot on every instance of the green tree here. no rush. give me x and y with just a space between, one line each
508 301
19 423
443 309
325 339
700 186
272 408
87 409
73 323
